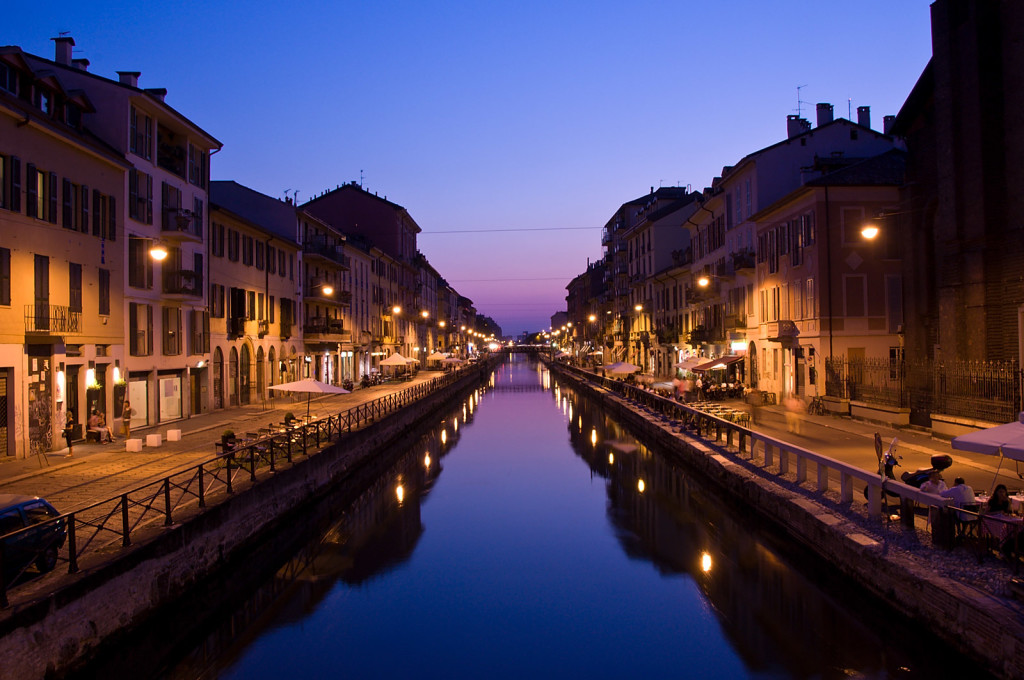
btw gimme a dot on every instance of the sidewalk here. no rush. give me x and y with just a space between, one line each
98 469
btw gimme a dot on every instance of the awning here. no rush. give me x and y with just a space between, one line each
721 362
689 364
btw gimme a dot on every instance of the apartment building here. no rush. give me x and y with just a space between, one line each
254 272
165 300
61 259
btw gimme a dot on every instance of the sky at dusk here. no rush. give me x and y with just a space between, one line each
532 120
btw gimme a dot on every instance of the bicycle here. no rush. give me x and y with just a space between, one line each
817 407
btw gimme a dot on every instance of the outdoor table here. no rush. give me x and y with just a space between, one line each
1003 529
1017 503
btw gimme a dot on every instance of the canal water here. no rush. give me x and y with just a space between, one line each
526 534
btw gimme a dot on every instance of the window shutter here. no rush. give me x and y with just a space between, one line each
133 325
15 202
149 199
68 218
85 209
112 215
97 213
165 206
31 195
52 217
149 329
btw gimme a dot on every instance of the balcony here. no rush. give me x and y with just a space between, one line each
735 322
236 327
183 282
337 297
52 319
262 327
322 328
607 236
181 225
319 247
743 260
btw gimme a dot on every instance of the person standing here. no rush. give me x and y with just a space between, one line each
126 418
69 432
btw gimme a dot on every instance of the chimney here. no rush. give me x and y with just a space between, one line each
887 123
824 114
864 116
796 126
80 64
158 93
129 78
62 51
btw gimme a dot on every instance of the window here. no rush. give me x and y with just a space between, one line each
72 210
41 188
217 240
11 190
281 263
140 325
199 336
141 135
5 276
250 305
217 301
170 205
140 268
270 310
809 303
271 259
75 287
171 331
42 99
140 196
8 78
104 292
196 166
247 250
259 306
197 216
260 248
233 247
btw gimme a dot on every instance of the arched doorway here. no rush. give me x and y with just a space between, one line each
218 378
260 374
271 367
245 376
233 377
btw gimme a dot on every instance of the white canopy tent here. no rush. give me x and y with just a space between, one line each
1005 441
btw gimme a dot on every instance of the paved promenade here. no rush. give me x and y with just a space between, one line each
100 471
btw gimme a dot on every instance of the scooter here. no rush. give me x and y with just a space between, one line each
918 477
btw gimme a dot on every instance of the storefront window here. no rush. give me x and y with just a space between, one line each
170 397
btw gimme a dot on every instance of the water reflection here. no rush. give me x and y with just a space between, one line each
515 564
777 618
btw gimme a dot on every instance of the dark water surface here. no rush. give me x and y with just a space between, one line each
531 536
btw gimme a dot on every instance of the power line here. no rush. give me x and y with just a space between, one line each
544 278
495 231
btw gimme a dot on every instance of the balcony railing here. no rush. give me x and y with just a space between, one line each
56 319
183 282
178 221
320 246
319 325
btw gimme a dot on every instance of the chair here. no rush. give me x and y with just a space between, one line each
967 519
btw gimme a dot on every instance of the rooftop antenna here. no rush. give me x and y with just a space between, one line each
849 108
798 100
360 177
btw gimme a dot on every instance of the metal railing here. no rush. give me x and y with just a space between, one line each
982 390
773 456
114 523
47 318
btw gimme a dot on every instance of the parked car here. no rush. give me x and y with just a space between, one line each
38 546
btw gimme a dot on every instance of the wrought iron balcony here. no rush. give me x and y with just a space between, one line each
55 319
183 282
328 251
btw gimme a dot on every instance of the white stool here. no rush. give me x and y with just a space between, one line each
153 440
174 435
133 445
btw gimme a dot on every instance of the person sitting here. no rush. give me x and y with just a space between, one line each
105 429
93 424
963 496
1000 500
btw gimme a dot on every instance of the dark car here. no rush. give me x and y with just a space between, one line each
38 545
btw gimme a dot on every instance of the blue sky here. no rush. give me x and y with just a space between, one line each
482 116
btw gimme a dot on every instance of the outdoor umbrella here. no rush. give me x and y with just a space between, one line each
451 361
1005 441
395 359
310 387
689 364
621 367
436 356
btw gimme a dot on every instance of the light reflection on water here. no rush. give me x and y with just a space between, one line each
541 554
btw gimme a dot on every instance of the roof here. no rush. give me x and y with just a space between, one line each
270 214
885 169
916 101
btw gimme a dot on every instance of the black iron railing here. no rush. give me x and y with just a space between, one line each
47 318
95 530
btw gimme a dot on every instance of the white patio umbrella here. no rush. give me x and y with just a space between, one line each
310 387
452 361
395 359
436 356
621 367
689 364
1005 441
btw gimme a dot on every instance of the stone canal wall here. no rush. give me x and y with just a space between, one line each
986 628
52 635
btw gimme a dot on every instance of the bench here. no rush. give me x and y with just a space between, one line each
92 436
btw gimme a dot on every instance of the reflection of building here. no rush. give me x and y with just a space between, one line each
254 265
61 257
165 302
